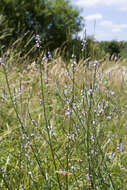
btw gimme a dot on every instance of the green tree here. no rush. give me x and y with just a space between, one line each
5 30
113 48
123 49
56 21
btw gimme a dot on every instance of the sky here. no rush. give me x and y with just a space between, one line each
105 19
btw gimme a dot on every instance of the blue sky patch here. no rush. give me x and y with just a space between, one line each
105 19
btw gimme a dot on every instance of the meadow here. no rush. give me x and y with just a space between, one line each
62 124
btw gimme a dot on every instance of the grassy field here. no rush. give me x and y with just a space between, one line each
63 125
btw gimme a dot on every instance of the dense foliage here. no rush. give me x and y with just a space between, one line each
56 21
56 24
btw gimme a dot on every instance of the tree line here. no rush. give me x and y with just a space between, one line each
57 23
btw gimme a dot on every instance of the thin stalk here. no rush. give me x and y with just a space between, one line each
22 126
6 183
47 124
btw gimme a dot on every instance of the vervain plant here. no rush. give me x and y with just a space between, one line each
61 127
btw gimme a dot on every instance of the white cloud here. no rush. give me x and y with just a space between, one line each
124 8
118 27
87 3
106 23
116 30
122 26
93 17
114 27
121 4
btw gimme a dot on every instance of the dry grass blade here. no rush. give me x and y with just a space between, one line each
64 173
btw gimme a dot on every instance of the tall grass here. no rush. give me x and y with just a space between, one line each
62 126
